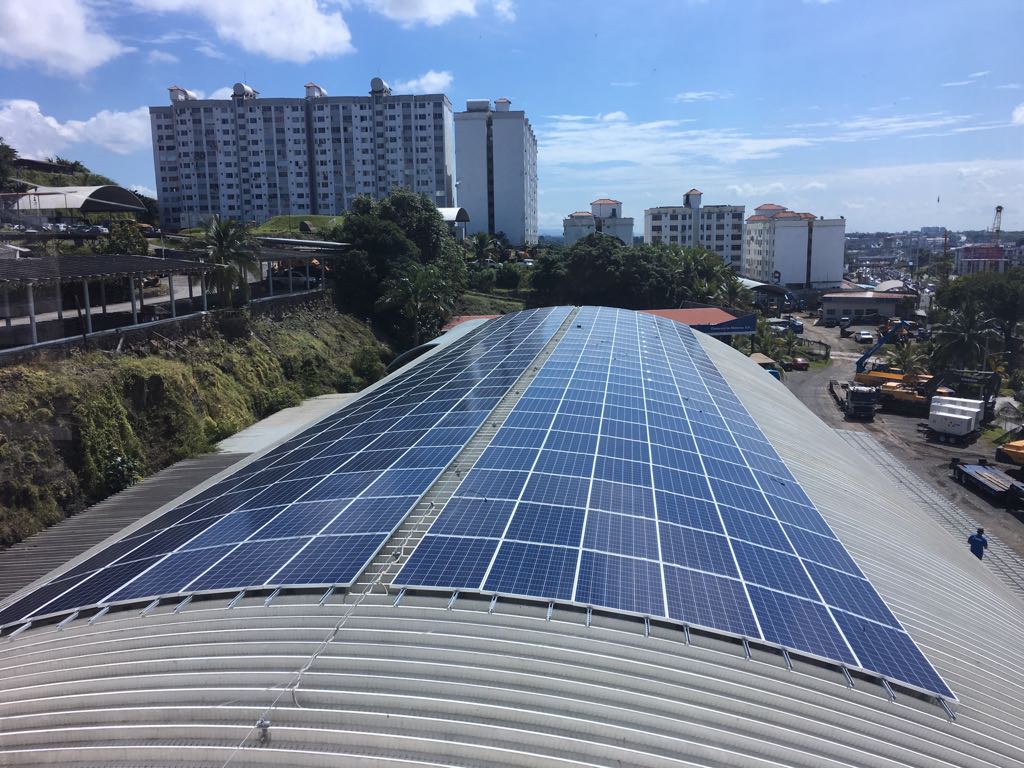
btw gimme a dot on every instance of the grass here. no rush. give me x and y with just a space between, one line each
474 303
290 224
76 430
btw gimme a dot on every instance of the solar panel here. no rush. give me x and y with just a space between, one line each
316 509
630 477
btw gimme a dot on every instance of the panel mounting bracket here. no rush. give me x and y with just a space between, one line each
551 611
686 633
888 690
100 615
270 597
787 659
590 615
647 626
398 599
68 619
19 630
451 602
329 593
949 710
236 599
493 605
848 676
746 649
183 604
150 608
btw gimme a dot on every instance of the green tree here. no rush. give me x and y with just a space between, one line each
964 339
152 213
909 358
483 247
230 245
1002 296
124 238
508 276
8 155
732 293
422 297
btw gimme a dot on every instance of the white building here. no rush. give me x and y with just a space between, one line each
605 216
798 250
251 158
496 154
716 227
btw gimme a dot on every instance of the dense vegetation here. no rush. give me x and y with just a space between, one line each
76 430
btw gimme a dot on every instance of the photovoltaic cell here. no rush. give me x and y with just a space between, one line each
316 508
629 458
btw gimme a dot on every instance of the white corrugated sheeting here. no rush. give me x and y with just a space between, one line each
419 684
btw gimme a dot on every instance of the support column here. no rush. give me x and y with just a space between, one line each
202 289
323 275
270 278
32 313
131 298
170 290
191 295
103 297
88 307
7 308
60 305
290 289
307 273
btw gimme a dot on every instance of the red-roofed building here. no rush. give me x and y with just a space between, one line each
605 216
794 249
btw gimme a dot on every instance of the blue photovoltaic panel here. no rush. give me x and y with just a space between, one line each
629 476
317 508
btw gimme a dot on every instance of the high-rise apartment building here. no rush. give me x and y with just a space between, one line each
716 227
251 158
496 154
797 250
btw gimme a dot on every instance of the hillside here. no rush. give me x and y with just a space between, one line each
79 429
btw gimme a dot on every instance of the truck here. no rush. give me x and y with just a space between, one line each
856 401
988 480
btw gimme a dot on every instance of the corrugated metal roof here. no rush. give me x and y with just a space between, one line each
52 268
429 680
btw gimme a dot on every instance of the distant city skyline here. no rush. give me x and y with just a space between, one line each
896 116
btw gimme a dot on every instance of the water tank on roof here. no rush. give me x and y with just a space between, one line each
478 105
502 104
242 91
377 85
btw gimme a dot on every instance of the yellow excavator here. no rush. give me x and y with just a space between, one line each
880 374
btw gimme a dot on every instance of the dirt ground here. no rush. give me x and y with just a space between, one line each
904 437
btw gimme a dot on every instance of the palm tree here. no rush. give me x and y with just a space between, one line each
423 295
230 245
965 337
909 358
732 293
484 246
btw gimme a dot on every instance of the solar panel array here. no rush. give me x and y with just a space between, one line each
630 477
318 508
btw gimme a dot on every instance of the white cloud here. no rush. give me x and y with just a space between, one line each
505 10
1010 87
221 93
36 135
613 117
161 57
297 31
957 83
814 185
210 52
756 190
430 12
429 82
976 75
687 97
624 84
62 38
147 191
1017 118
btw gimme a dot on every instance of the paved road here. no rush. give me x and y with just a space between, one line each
904 438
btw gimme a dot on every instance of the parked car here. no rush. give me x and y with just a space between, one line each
844 322
830 322
298 279
527 262
799 364
863 337
795 325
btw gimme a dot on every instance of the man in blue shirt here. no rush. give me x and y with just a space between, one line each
978 543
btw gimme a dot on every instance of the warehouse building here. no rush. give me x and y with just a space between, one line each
568 536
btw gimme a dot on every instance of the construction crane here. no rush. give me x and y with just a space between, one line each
997 224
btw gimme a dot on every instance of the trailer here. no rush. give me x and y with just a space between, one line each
990 481
854 400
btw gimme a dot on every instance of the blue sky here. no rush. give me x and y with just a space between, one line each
895 115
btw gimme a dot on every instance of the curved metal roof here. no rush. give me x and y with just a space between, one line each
105 198
376 677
